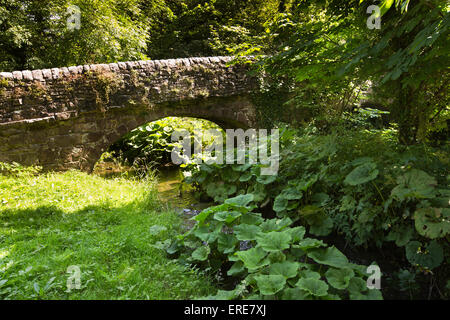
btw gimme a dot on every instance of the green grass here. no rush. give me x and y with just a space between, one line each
52 221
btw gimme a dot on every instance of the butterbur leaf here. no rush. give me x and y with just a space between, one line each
362 174
291 194
241 167
270 284
276 257
201 254
226 243
236 268
356 286
286 269
222 295
372 294
295 294
275 224
339 278
246 176
429 256
202 216
415 184
320 199
309 274
251 218
246 232
313 286
227 216
280 203
242 200
204 233
253 258
266 179
329 256
296 233
310 243
432 223
274 241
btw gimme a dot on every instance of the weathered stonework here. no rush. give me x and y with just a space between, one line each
65 118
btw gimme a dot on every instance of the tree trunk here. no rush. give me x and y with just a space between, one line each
404 114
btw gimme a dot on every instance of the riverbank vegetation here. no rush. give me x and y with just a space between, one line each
364 162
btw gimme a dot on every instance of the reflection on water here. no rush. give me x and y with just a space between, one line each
176 194
171 190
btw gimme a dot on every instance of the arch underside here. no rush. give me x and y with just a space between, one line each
79 141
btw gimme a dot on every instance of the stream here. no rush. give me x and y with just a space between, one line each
172 192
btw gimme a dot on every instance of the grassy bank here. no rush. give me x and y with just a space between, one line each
105 227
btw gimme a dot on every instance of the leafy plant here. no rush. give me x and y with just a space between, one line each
269 258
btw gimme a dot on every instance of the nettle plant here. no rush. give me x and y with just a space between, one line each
268 258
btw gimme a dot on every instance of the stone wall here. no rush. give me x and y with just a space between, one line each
64 118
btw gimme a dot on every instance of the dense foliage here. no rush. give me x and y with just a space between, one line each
361 186
37 34
364 164
324 52
151 144
269 258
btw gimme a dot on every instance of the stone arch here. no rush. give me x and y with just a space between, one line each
66 118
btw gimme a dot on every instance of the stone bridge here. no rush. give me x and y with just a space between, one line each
65 118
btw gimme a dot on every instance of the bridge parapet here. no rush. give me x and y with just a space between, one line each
60 93
65 117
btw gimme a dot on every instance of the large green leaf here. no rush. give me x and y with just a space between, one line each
275 224
401 235
429 256
226 243
204 215
310 243
253 258
324 228
287 269
362 174
246 232
241 201
227 216
295 294
266 179
270 284
207 234
309 274
201 254
313 286
296 233
432 222
236 268
414 184
274 241
329 256
280 204
339 278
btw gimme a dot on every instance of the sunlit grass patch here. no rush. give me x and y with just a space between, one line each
52 221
